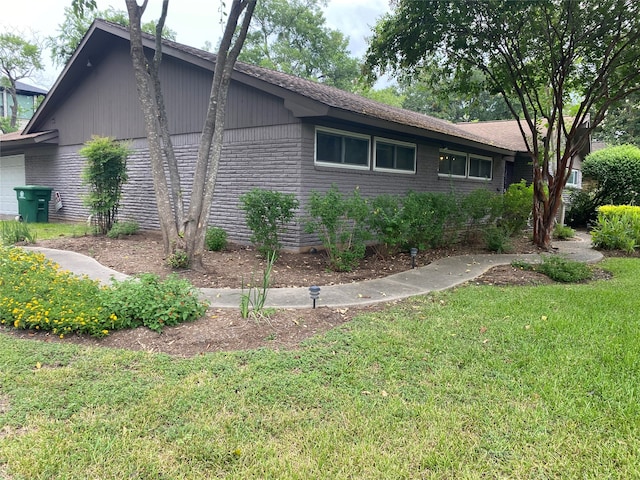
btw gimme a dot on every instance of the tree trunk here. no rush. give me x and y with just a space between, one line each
14 107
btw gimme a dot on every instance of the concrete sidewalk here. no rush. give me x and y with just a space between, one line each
438 275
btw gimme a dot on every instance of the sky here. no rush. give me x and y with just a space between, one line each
194 21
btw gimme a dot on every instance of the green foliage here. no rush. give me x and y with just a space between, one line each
267 212
178 259
429 219
291 36
35 294
622 123
105 172
558 268
76 23
340 222
148 301
5 125
517 203
616 171
123 229
12 232
252 301
562 232
497 240
386 222
215 239
617 228
582 211
481 208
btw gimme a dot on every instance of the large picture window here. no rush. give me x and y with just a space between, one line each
465 165
391 155
335 147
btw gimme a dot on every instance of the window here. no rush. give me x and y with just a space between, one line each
464 165
334 147
574 179
394 156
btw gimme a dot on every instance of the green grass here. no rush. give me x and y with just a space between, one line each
45 231
479 382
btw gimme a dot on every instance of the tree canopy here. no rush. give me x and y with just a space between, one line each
539 56
291 36
19 59
77 22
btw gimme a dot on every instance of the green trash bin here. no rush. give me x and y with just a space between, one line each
33 203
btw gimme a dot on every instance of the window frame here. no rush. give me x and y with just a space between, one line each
575 184
343 134
395 143
468 156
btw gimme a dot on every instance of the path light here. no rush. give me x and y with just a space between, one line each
414 252
314 293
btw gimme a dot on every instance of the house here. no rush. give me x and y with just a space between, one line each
28 99
282 133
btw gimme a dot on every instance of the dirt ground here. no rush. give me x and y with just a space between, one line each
225 329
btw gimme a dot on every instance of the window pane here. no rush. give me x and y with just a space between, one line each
356 151
384 155
328 147
453 164
405 158
479 167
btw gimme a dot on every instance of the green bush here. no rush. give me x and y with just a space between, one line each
105 172
480 209
122 229
497 240
561 269
215 239
582 209
517 204
341 224
267 212
386 222
36 294
12 232
562 232
148 301
616 171
179 259
429 219
617 228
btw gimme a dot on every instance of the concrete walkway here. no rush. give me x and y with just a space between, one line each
438 275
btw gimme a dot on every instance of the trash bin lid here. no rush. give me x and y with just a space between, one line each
32 187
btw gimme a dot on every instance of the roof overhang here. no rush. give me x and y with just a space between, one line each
17 140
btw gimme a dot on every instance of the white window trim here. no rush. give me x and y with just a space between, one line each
578 183
466 175
394 142
344 134
455 152
481 157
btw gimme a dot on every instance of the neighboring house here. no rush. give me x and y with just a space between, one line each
28 100
282 133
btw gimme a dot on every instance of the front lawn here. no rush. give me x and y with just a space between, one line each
479 382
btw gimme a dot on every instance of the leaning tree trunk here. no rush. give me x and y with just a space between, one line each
14 107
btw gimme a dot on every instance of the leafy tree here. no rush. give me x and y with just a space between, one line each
538 56
76 23
183 231
105 172
19 58
622 123
291 36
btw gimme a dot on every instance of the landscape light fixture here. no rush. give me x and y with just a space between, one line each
314 293
414 253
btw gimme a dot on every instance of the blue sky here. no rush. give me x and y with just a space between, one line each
194 21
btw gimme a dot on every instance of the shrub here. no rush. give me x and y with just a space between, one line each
178 259
517 204
583 208
12 232
561 269
480 209
386 222
148 301
105 172
617 228
340 222
121 229
266 213
497 240
427 217
616 171
36 294
215 239
562 232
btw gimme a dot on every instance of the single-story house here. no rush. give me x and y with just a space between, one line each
282 133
